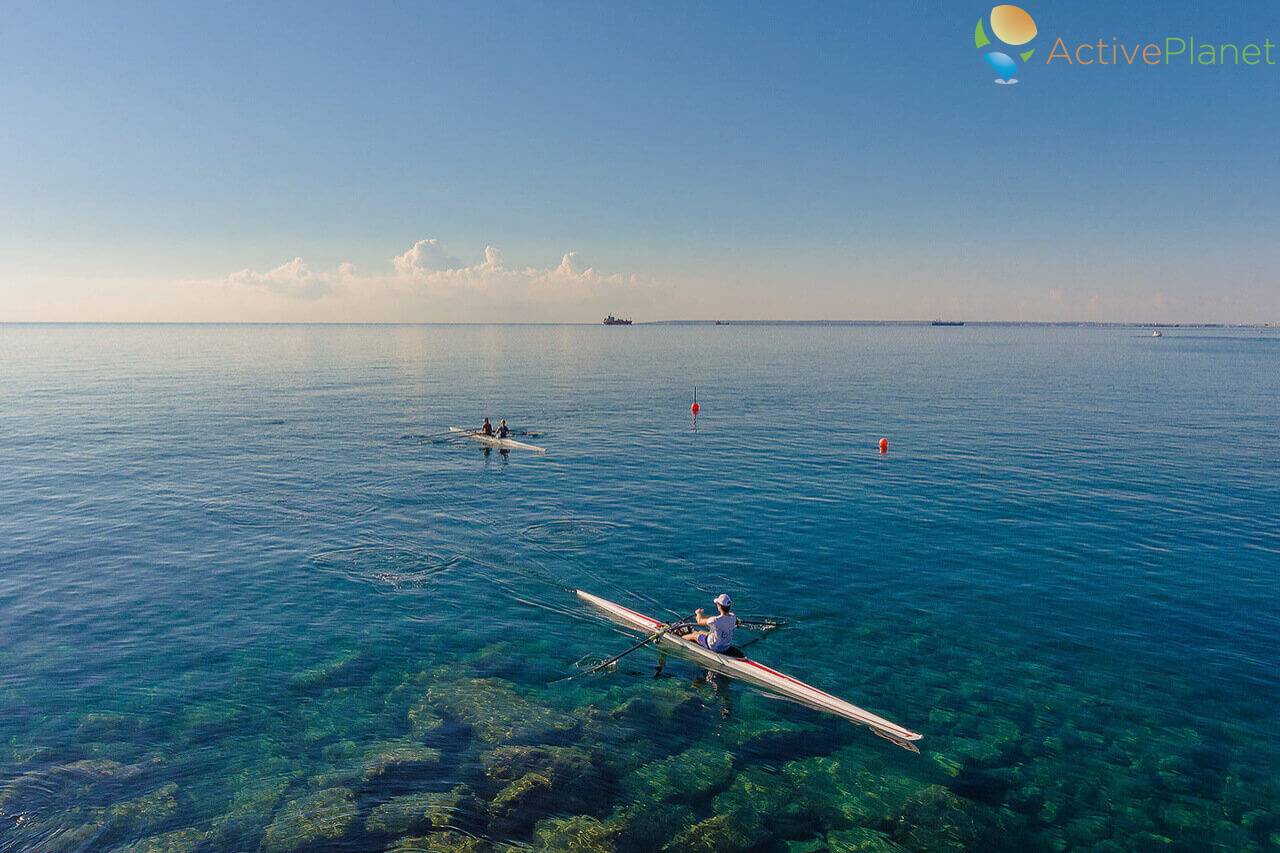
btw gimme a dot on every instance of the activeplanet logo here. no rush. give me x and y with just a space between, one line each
1012 26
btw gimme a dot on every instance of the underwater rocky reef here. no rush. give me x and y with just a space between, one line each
453 757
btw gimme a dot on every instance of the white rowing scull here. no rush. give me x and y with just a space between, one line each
754 673
494 441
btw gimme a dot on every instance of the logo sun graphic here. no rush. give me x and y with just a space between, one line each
1010 25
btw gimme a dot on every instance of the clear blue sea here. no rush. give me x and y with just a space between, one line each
250 599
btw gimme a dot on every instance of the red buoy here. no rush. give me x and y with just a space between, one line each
884 445
695 407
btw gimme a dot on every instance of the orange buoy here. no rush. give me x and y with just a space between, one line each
884 445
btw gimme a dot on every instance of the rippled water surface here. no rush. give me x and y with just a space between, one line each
252 599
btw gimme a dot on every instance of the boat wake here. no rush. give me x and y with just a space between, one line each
569 534
389 567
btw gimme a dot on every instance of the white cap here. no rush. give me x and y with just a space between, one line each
724 600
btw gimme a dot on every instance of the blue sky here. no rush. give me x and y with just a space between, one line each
162 161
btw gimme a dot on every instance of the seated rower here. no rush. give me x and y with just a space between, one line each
719 634
487 429
503 431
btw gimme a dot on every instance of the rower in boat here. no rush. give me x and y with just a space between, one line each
487 428
503 430
739 666
719 634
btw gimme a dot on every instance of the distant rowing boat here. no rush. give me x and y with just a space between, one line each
494 441
755 673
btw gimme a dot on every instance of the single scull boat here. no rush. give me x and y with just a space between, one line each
754 673
494 441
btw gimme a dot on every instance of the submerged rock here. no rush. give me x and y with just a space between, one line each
638 828
178 841
690 775
764 733
504 659
493 710
722 833
424 719
809 845
353 766
63 792
776 802
860 840
69 807
542 780
25 754
108 724
941 717
647 826
326 673
519 804
396 754
72 838
439 842
87 770
973 752
259 797
340 713
949 765
123 751
662 703
324 815
936 819
577 834
203 717
1084 831
511 762
844 789
417 812
343 750
145 812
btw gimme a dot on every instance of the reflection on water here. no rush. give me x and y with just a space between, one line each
248 601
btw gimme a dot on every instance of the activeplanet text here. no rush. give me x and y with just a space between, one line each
1173 49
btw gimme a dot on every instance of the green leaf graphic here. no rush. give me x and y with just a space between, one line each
1026 54
980 36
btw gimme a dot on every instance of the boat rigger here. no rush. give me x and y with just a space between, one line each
753 672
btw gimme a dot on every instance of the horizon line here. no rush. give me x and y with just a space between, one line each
1162 324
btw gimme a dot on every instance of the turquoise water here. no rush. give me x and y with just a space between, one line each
250 600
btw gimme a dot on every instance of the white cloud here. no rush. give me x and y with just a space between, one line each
293 278
423 257
426 266
426 282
